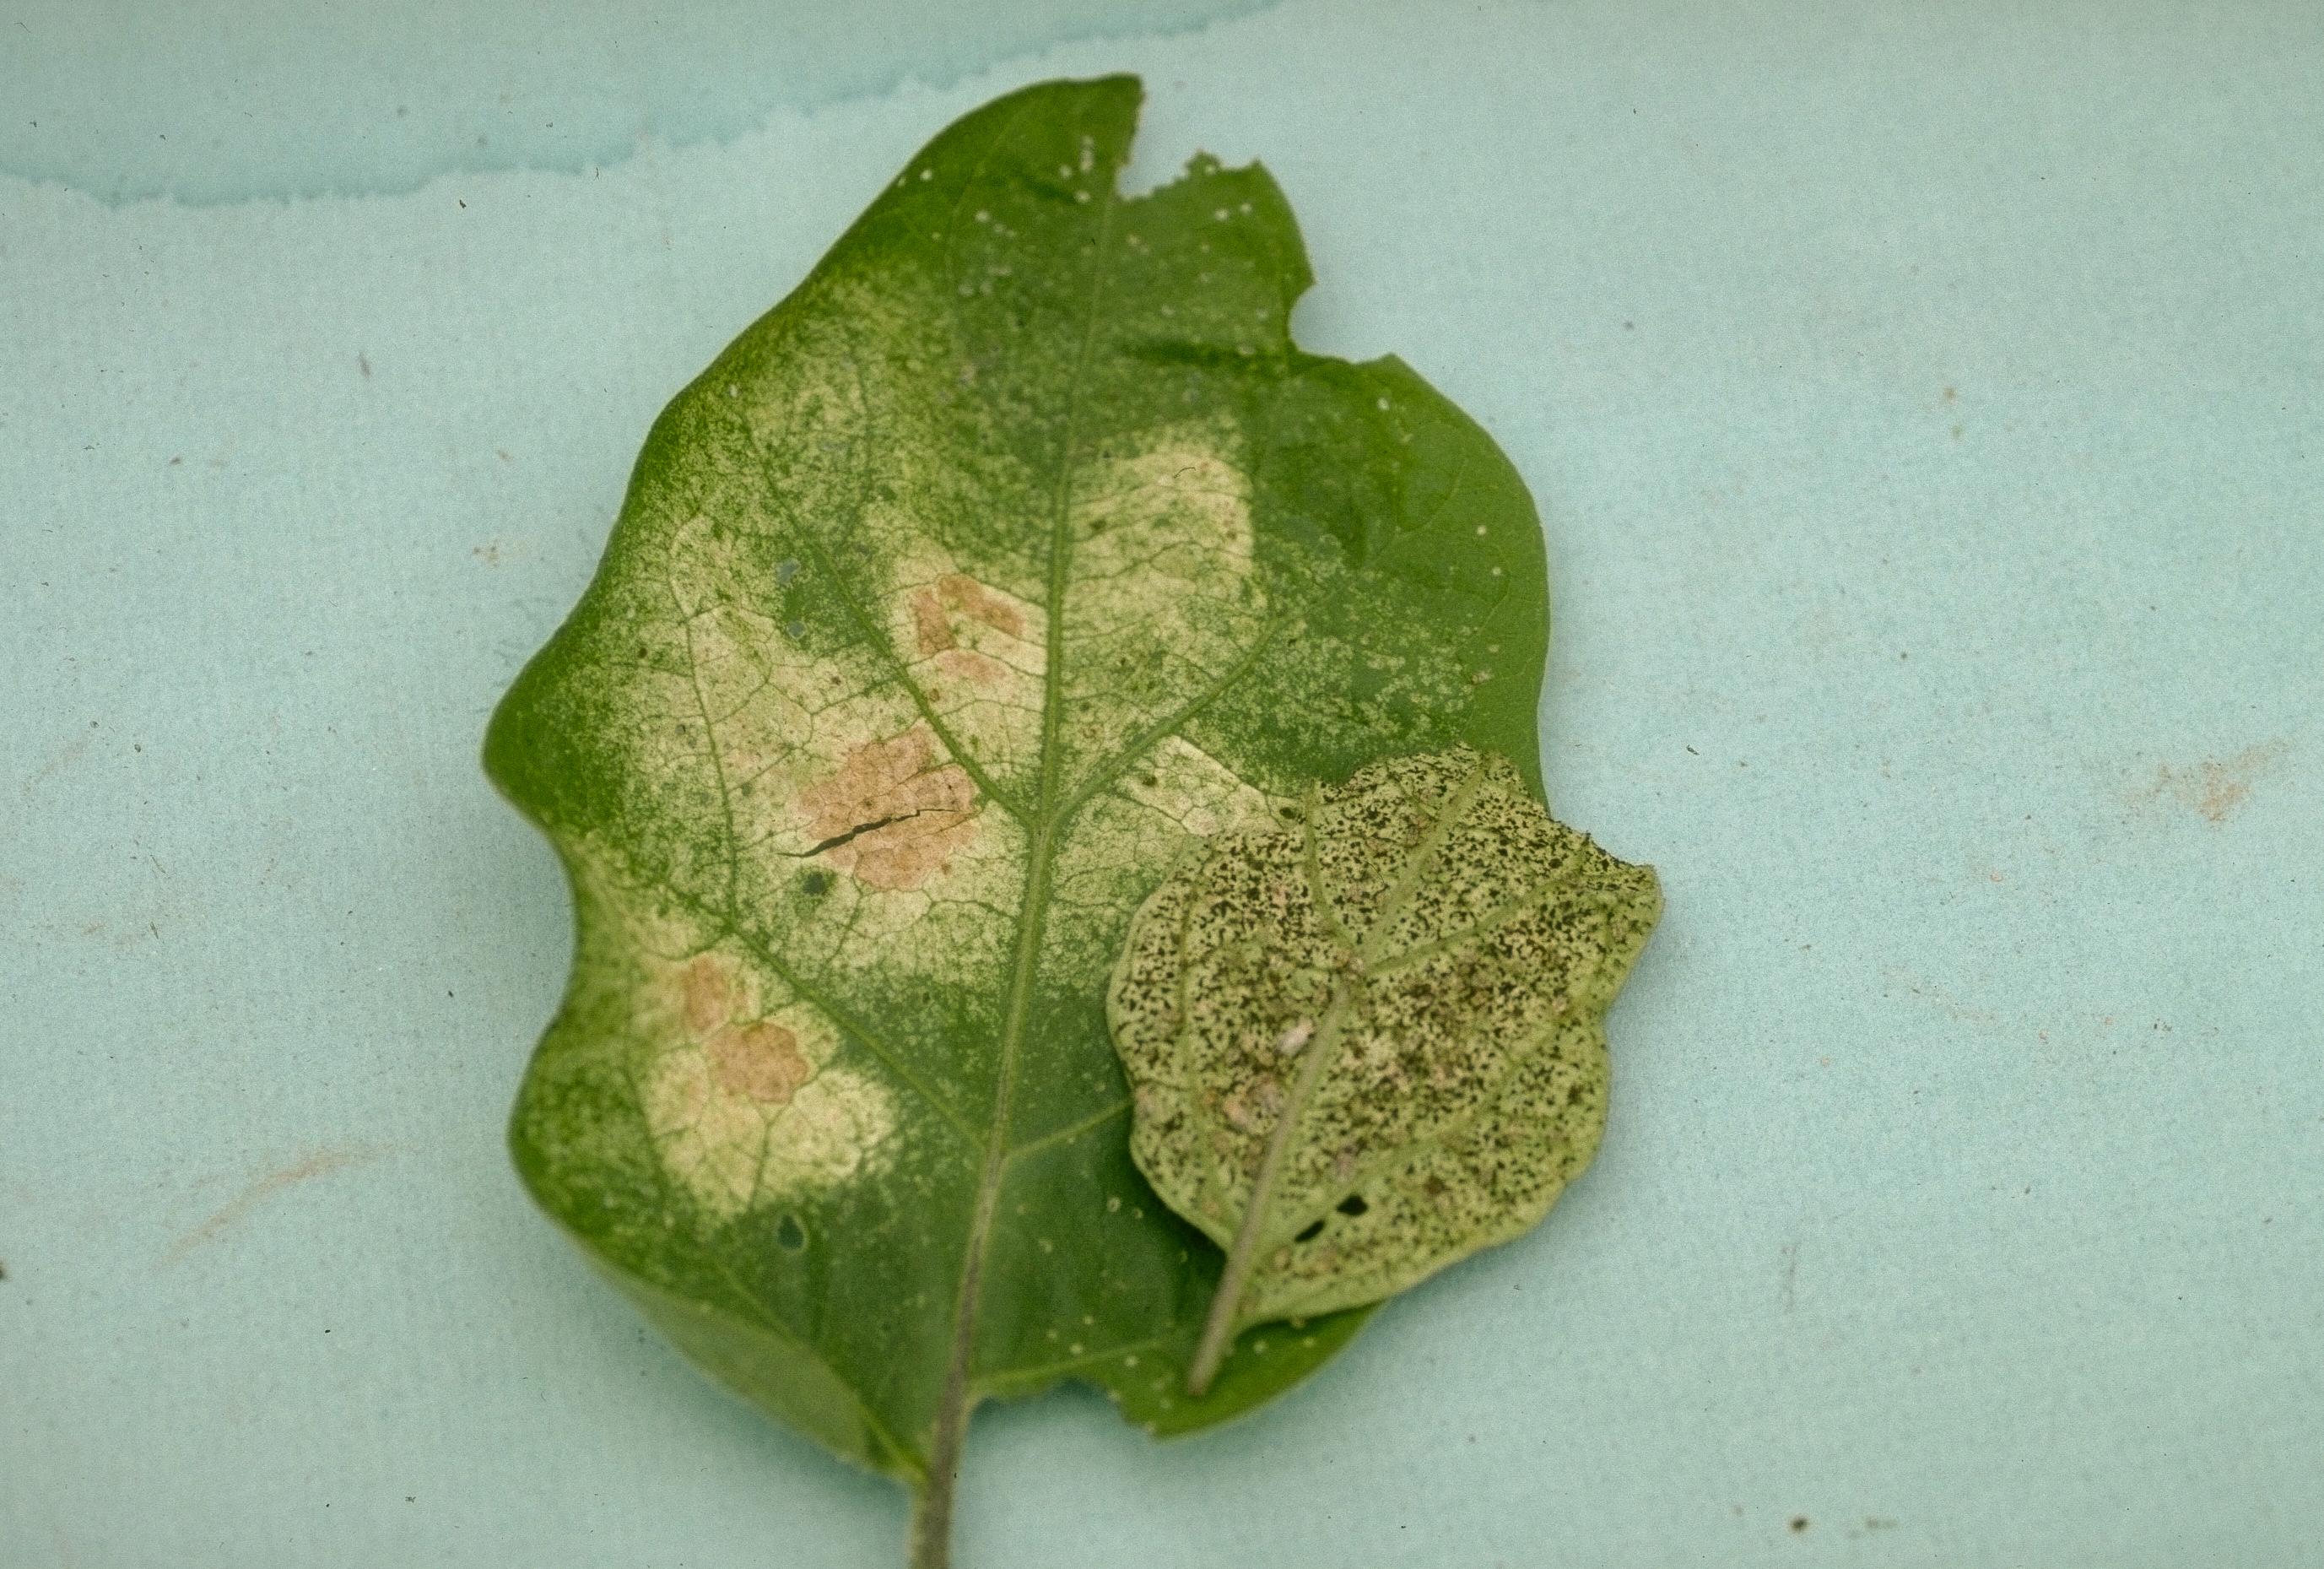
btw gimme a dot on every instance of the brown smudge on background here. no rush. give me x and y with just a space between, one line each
63 758
2213 787
890 814
319 1163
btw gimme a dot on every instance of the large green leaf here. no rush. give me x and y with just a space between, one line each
1368 1041
1012 556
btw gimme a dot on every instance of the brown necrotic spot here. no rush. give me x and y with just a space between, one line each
891 814
967 667
957 594
929 623
709 994
971 598
761 1061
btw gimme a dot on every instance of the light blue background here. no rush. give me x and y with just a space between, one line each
1923 403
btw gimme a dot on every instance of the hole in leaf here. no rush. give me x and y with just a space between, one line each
1354 1205
790 1234
1311 1234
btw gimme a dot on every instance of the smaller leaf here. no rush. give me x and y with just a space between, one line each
1368 1042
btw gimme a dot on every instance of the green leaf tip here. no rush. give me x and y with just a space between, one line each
1012 558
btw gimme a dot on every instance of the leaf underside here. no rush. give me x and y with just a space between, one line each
1368 1041
1012 556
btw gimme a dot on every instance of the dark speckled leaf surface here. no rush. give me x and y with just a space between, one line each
1011 558
1368 1040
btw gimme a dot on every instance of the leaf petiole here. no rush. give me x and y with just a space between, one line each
931 1539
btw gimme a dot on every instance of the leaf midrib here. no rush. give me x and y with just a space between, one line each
1375 965
1357 958
1043 829
1352 951
1252 1232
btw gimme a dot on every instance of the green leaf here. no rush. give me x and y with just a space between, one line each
1369 1041
1014 554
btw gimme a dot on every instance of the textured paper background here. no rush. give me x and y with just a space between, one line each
1924 409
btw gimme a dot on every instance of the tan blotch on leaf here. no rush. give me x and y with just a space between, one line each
893 812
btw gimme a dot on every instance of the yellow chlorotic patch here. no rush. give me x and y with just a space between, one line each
977 654
1182 782
1367 1040
1161 606
1164 805
821 761
739 1091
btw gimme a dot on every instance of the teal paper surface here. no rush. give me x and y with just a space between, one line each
1924 411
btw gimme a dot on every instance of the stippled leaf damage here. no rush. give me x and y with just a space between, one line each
1368 1041
1011 556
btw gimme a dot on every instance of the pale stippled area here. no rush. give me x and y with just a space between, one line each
1922 410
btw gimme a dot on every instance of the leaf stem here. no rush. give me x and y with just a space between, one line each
1226 1306
931 1546
932 1507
